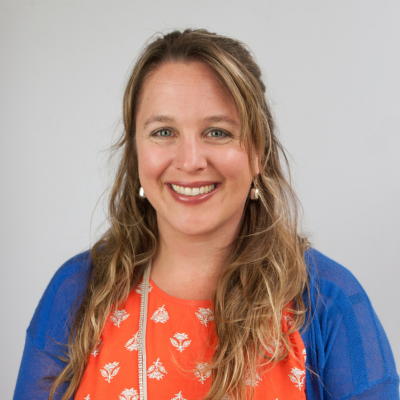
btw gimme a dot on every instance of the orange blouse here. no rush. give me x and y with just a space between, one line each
177 352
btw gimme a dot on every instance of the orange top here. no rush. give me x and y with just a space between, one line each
177 334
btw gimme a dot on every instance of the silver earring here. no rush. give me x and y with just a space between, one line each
254 194
141 193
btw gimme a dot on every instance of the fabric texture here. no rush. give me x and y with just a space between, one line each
348 354
178 352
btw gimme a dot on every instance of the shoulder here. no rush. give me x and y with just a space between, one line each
335 292
53 316
346 343
73 274
326 273
336 295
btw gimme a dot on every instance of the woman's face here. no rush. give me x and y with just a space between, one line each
192 167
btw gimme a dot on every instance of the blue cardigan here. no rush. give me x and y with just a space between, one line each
348 353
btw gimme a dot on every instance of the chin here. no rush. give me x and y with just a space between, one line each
198 223
196 229
194 225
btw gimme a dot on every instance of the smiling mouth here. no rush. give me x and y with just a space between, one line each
193 191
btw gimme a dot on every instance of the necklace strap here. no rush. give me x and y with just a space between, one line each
142 333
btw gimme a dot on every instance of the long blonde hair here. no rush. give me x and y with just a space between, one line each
266 269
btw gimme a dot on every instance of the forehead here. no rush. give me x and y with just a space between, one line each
183 73
185 90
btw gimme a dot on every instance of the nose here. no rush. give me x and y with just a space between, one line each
190 156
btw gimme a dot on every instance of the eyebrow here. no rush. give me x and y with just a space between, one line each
157 118
221 118
212 118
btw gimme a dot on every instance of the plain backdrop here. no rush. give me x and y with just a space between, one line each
332 72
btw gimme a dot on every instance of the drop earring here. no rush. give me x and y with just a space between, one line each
254 194
141 193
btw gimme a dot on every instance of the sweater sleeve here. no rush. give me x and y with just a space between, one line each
47 335
348 352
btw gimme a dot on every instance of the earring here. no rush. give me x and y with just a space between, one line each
254 194
141 193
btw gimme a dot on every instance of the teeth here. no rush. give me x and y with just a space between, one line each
193 191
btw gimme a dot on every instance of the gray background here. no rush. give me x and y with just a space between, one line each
332 71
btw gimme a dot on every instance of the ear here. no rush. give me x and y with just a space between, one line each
253 160
256 167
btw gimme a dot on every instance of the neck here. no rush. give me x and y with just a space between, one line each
189 267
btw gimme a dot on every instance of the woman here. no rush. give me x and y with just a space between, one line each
202 286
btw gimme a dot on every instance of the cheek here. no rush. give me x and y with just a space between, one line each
236 167
152 163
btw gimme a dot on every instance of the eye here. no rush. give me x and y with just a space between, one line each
164 133
217 133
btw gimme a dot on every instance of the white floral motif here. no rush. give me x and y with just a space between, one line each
289 320
297 376
161 315
96 351
202 372
250 381
118 316
110 370
305 355
156 371
205 315
270 347
178 396
87 397
180 337
139 288
129 394
133 343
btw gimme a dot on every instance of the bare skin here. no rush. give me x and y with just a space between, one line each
188 268
187 134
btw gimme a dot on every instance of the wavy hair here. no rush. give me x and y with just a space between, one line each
265 273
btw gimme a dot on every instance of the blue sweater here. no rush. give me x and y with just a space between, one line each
348 353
